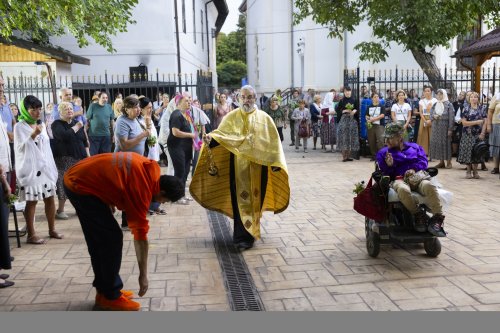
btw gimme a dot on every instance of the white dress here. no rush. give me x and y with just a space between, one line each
36 170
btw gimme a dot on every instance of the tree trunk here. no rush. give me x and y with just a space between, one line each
427 62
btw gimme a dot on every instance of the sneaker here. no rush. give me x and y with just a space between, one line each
61 215
436 225
151 212
160 212
122 303
420 223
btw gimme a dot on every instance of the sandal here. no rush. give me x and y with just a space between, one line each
160 212
55 234
35 240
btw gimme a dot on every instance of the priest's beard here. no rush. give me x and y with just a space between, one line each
247 107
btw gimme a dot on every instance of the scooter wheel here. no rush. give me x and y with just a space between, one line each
373 244
432 247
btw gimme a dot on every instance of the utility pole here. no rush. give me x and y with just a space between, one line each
178 47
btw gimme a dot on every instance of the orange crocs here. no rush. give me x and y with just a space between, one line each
122 303
127 293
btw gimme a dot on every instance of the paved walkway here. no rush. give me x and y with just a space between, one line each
311 257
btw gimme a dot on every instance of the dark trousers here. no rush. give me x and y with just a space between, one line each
104 241
240 233
99 145
292 130
280 132
181 160
4 232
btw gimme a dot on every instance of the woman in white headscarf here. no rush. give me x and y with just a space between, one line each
442 119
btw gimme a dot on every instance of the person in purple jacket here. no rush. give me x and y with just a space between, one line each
401 161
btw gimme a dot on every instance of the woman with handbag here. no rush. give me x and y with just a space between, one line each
442 119
315 110
302 118
474 129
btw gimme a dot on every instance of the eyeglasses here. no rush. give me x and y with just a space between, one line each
247 97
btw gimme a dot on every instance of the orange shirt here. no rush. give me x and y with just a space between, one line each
126 180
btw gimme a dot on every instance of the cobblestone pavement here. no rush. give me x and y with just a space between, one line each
311 257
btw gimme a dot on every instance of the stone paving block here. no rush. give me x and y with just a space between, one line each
290 253
490 298
60 297
178 288
488 307
424 293
23 296
281 294
42 307
218 307
319 296
345 307
394 290
297 304
337 268
418 304
300 267
81 306
270 274
378 301
352 288
347 298
359 278
273 260
272 305
467 284
201 300
433 282
197 307
296 276
163 304
321 277
289 284
456 296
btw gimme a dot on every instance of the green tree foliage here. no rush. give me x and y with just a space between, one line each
231 72
36 20
232 54
417 25
233 45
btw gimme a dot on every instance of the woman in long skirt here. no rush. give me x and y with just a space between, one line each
424 131
442 119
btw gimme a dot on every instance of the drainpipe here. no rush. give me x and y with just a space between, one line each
291 45
178 47
206 23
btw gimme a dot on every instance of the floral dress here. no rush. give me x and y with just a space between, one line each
470 134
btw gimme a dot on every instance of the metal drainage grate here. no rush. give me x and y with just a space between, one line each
243 295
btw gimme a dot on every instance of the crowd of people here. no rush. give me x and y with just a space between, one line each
444 126
39 144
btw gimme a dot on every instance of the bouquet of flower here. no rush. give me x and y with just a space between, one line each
349 106
369 125
151 140
359 187
12 199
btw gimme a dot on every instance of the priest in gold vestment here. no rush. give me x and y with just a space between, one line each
242 170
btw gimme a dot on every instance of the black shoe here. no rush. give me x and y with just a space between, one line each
349 159
6 284
11 258
436 225
244 245
292 144
4 276
420 223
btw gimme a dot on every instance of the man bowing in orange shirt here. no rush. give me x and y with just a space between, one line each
129 182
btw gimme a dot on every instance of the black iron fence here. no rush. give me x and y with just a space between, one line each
408 79
84 86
